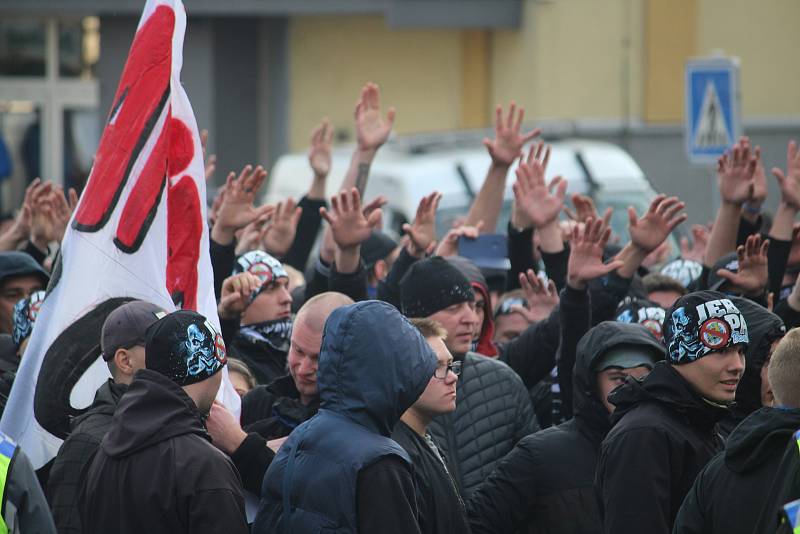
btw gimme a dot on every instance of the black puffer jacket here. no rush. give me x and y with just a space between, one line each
764 328
724 495
76 452
547 481
492 414
664 434
156 471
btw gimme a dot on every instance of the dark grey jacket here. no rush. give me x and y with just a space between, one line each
493 412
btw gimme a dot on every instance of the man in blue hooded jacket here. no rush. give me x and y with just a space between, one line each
340 470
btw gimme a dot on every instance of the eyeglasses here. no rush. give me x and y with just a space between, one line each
441 371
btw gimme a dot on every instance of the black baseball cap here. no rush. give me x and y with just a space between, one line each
126 326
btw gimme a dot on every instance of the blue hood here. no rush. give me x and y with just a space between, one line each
373 365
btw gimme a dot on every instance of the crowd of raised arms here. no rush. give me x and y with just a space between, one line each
602 384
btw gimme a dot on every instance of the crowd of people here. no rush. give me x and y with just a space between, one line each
601 384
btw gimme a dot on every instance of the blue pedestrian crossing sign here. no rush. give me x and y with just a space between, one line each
712 120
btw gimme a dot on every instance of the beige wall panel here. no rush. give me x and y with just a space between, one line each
572 59
765 36
419 72
670 40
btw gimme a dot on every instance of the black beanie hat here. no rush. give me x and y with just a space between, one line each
432 285
700 323
184 347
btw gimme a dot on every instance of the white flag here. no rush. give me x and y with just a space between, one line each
139 231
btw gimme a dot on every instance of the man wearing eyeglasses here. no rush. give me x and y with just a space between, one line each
439 504
20 276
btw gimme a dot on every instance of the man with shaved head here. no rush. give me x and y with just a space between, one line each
270 412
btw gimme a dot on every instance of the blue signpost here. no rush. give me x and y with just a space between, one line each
712 121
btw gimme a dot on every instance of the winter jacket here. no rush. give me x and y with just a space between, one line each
723 497
340 471
492 414
547 482
763 327
664 434
75 454
439 505
156 470
24 507
784 490
265 361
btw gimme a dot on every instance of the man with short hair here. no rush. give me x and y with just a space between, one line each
20 276
270 412
479 433
665 429
662 289
721 500
440 507
122 342
156 470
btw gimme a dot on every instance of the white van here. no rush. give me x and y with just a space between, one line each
405 172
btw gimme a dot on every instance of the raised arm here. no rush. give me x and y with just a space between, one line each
503 149
735 179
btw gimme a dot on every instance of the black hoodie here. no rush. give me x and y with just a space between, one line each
547 480
763 328
724 495
664 434
156 470
75 454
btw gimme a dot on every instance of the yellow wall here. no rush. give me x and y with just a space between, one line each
569 59
419 72
765 36
572 59
670 29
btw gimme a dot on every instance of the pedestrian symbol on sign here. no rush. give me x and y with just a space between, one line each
712 122
711 130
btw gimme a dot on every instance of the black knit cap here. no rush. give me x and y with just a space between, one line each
184 347
432 285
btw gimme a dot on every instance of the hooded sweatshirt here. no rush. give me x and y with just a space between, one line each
340 471
156 470
763 327
724 495
664 434
76 452
547 481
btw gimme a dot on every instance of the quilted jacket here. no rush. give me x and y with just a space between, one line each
493 412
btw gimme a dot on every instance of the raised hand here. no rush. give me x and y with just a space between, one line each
251 237
237 208
541 297
736 173
539 203
210 161
422 233
236 293
508 141
697 250
348 224
319 155
372 130
656 224
759 192
753 275
449 244
586 253
585 209
789 183
281 229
